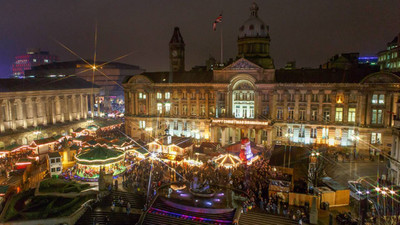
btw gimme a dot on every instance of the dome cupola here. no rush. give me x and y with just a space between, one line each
253 40
254 26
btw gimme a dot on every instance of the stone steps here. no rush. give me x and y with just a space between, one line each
254 218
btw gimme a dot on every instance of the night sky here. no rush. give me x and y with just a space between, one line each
308 31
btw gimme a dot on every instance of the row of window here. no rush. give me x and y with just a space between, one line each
351 116
376 138
388 56
55 160
167 109
58 169
376 98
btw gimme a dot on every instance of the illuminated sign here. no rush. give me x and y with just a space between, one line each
241 122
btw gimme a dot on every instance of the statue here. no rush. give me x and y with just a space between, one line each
199 188
245 151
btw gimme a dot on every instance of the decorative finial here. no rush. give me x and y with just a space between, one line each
254 9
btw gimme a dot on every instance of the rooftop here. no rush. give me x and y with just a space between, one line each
42 84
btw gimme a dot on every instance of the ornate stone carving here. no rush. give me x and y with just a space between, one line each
242 64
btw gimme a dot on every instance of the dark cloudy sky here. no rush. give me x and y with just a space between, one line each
308 31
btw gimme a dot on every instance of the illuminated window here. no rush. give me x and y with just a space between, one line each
314 115
313 133
376 116
352 115
159 95
167 95
339 115
381 99
202 110
159 108
376 138
325 133
142 124
34 60
302 132
140 95
351 134
167 107
279 131
46 60
326 115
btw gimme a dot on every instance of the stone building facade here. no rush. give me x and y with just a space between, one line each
249 98
40 102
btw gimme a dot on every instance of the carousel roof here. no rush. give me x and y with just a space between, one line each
227 160
100 154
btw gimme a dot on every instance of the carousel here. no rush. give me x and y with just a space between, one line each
89 163
227 160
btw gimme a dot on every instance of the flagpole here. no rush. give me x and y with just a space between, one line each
222 47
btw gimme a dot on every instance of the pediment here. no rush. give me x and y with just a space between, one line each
381 78
242 64
139 79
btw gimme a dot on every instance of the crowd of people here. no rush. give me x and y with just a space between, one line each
251 180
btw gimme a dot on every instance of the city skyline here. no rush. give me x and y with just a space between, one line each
132 26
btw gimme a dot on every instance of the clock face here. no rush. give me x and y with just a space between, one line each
174 53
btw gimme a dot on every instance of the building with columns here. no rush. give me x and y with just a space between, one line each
250 98
38 102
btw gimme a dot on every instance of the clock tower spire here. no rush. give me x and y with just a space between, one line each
177 52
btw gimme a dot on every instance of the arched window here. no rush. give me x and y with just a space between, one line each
243 107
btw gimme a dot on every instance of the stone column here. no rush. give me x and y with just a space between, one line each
207 107
2 129
44 110
85 107
308 110
344 136
366 106
285 112
387 116
394 107
197 103
68 108
136 103
81 104
223 137
13 114
180 93
24 114
35 102
53 110
91 105
257 137
147 103
320 108
296 106
189 103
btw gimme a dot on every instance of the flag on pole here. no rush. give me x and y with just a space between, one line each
218 20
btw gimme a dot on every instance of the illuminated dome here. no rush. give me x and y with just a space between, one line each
254 26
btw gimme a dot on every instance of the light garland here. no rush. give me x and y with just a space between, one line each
193 162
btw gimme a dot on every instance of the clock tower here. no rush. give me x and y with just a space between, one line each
177 52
